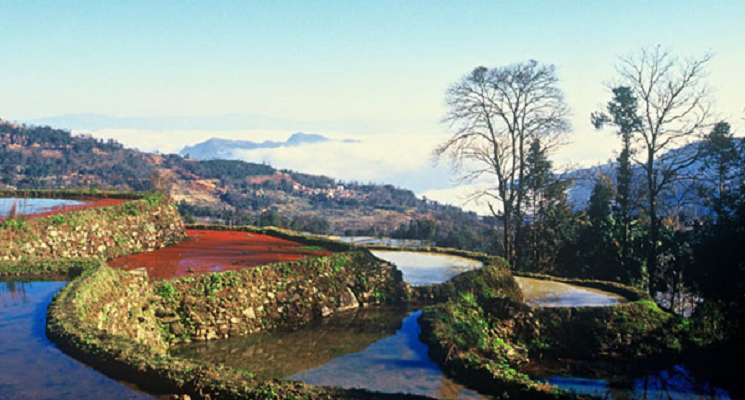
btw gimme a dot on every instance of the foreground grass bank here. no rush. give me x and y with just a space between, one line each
485 335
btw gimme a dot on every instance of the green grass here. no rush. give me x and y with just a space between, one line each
312 248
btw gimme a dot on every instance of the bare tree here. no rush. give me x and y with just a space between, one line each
494 114
674 108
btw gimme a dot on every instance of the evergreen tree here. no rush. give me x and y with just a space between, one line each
622 109
718 270
721 157
597 245
551 218
538 180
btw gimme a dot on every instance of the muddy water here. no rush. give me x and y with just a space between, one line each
427 268
545 293
31 367
377 349
40 207
213 251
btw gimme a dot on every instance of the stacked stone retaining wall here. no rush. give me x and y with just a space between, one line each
241 302
105 232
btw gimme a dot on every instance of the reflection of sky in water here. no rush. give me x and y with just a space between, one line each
34 206
674 383
285 352
376 348
397 364
427 268
40 370
545 293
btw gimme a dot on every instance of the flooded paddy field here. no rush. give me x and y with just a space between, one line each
420 268
654 379
546 293
377 349
37 207
214 251
670 380
33 367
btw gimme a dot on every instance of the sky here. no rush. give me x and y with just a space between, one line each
370 70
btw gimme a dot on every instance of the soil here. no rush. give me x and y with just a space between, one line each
214 251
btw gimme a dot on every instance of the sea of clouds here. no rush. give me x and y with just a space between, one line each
402 159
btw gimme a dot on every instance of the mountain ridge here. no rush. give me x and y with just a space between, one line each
584 179
218 148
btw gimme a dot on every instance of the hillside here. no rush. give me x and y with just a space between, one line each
680 196
227 190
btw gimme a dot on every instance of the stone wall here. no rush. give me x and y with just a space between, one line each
117 303
105 232
629 330
107 317
638 328
241 302
102 317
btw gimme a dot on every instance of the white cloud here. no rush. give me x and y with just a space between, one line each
374 158
587 148
460 196
402 159
172 141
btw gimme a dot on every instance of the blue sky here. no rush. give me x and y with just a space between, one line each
308 59
377 63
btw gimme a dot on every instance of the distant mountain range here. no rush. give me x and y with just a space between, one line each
216 148
584 180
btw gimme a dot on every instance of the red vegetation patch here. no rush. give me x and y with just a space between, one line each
61 209
213 251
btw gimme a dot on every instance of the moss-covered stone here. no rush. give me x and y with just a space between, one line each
74 324
241 302
470 334
629 330
105 232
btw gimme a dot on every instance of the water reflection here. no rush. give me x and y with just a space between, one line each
25 206
281 353
420 268
13 292
545 293
33 368
376 349
673 381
